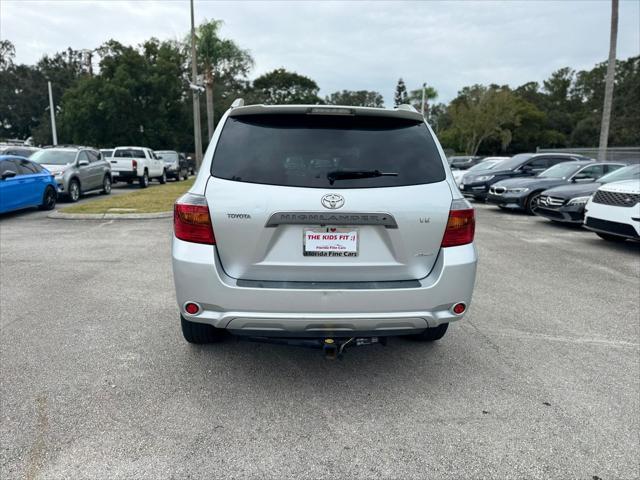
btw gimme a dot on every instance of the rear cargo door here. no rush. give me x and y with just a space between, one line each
327 198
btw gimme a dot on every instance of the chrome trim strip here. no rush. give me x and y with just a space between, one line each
331 218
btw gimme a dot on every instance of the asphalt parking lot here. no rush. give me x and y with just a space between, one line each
541 380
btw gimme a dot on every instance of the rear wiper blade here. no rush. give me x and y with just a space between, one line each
355 174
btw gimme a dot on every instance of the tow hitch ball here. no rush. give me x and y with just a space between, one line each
333 349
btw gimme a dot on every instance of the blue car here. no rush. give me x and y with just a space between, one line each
25 184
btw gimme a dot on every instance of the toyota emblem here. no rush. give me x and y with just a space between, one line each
332 201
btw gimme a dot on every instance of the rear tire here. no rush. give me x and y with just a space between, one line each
49 199
163 178
106 185
200 333
186 175
611 238
144 180
432 334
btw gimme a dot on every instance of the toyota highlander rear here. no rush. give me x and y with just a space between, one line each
322 222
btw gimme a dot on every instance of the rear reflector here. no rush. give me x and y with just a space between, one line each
191 308
459 308
191 220
461 225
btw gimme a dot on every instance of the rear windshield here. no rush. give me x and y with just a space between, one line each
128 153
167 156
323 151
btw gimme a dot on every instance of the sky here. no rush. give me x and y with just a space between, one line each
352 45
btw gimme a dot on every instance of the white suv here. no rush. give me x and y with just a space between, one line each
331 223
614 211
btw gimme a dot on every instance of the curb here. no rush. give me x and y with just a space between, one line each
108 216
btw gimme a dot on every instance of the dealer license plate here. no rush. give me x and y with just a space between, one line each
330 242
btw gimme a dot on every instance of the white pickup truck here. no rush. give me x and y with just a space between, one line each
136 163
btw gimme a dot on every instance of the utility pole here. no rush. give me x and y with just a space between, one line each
608 88
197 135
424 87
53 116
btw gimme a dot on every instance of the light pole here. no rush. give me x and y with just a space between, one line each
53 116
196 95
609 81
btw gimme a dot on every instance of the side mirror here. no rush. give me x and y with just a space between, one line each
582 179
83 163
8 174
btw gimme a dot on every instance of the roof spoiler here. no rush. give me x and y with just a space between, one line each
408 108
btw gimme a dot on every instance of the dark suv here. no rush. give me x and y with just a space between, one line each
522 165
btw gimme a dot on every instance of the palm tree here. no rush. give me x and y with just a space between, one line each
608 88
219 58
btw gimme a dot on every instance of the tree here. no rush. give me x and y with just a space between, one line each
223 62
480 113
283 87
360 98
139 97
415 99
7 54
608 91
400 97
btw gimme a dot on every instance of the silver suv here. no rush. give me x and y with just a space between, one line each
77 170
331 223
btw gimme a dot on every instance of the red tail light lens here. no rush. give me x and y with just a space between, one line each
461 225
191 220
134 163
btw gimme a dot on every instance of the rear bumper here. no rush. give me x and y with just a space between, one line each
124 175
286 312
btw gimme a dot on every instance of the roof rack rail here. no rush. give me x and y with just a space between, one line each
238 102
408 108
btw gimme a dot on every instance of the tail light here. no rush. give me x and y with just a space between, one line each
134 163
191 220
461 225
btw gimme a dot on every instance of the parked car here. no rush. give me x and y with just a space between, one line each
77 170
106 152
488 163
613 212
18 150
137 163
191 164
463 162
477 186
331 224
24 184
523 193
175 164
566 203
